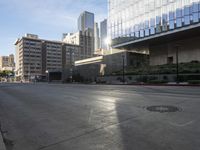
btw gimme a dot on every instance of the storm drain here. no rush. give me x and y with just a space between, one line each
163 108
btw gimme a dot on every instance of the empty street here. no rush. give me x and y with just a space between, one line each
99 117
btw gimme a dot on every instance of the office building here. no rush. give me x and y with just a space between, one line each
158 27
103 35
85 39
96 37
86 21
35 57
7 62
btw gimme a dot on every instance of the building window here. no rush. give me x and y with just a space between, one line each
158 24
152 26
179 22
164 22
186 20
195 17
146 32
171 24
179 18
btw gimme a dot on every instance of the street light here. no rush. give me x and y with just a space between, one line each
123 75
177 63
47 76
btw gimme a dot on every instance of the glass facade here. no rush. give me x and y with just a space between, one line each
85 21
135 19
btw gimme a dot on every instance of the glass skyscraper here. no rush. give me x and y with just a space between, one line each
86 21
136 19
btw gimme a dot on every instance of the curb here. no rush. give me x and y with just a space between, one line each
2 145
180 85
146 84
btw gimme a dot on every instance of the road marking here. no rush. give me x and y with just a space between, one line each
182 125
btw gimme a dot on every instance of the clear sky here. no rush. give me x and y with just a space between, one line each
46 18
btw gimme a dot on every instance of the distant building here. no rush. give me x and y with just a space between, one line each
34 57
103 34
92 68
85 39
89 69
86 21
7 62
96 37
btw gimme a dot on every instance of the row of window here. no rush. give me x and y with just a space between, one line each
54 46
53 57
129 16
156 25
54 61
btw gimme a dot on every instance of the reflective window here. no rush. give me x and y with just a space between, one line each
164 19
171 24
164 22
158 28
171 15
195 17
146 24
141 33
195 7
186 10
179 22
137 34
152 30
150 16
152 23
132 34
186 20
178 13
146 32
158 20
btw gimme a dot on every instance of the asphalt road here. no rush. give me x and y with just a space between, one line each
98 117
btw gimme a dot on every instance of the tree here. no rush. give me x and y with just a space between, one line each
6 73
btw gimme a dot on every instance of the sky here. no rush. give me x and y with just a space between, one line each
47 18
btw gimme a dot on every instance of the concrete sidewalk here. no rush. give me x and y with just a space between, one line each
2 146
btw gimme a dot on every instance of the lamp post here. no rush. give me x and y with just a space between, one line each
123 65
47 76
177 63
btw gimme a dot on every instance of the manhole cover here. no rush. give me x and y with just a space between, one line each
163 108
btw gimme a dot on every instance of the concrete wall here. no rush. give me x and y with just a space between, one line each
189 50
114 62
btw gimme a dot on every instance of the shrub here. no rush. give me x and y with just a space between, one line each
119 78
165 78
194 81
130 78
142 79
158 81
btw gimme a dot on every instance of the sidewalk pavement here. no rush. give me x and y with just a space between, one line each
2 145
